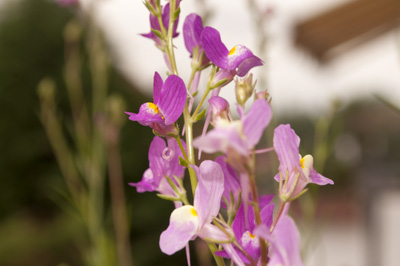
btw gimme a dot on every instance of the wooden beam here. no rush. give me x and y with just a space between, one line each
369 18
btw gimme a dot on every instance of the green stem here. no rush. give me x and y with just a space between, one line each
208 89
178 139
170 45
194 70
213 248
277 215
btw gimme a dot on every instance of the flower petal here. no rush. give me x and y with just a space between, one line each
248 64
231 180
255 121
239 54
223 138
215 50
192 28
209 190
146 116
211 231
183 225
146 184
172 99
288 239
319 179
157 87
233 254
156 161
173 166
286 145
267 214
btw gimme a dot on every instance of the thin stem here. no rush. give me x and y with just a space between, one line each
277 215
208 89
170 45
178 139
264 150
194 70
189 145
256 206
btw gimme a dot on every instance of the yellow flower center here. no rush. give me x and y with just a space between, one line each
251 235
193 211
232 51
302 162
154 107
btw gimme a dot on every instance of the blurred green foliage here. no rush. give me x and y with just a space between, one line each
34 230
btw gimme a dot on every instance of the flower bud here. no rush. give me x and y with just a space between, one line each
244 89
219 107
264 95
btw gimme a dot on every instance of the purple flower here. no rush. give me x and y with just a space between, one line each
188 222
284 242
239 59
169 101
163 162
155 25
244 225
192 29
236 139
297 171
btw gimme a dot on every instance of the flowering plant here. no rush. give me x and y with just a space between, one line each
249 232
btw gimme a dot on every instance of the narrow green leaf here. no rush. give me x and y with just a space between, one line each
200 115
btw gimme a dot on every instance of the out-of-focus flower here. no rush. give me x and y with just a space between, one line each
237 138
155 25
188 222
169 101
284 242
244 225
163 162
295 170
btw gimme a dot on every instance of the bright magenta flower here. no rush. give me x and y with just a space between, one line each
169 101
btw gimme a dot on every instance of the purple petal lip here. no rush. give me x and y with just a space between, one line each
239 59
248 64
215 50
146 116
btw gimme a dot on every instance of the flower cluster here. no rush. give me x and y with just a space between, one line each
249 232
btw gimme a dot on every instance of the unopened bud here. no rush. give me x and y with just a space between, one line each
264 95
244 89
219 107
